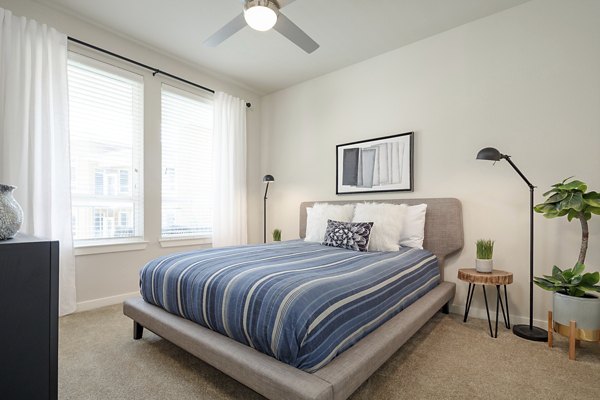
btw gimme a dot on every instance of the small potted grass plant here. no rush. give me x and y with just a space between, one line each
277 235
485 252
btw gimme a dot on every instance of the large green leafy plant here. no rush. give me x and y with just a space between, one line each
572 282
570 199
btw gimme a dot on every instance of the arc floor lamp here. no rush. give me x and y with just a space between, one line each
529 332
266 179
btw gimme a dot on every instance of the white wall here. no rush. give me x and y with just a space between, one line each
526 81
107 278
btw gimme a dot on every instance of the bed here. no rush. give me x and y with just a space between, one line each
304 379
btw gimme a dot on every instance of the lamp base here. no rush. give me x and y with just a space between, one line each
530 333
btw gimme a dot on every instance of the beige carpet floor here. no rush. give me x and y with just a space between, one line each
446 359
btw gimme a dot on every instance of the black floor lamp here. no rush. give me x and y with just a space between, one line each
266 179
529 332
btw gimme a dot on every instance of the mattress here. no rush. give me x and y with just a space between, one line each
301 303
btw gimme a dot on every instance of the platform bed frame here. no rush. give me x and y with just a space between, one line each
342 376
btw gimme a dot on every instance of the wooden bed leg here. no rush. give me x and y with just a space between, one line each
138 330
550 324
572 335
446 308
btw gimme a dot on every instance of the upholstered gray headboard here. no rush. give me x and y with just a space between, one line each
443 223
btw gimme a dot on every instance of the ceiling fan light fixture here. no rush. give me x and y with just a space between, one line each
261 15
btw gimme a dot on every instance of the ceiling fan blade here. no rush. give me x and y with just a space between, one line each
291 31
225 32
283 3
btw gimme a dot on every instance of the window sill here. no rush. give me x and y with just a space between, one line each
111 247
178 242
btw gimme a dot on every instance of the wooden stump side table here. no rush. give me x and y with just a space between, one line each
496 278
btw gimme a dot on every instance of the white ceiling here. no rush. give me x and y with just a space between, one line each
348 31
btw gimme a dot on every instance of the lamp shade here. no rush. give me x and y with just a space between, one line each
260 15
489 153
268 178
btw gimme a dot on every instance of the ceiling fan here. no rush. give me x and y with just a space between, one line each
262 15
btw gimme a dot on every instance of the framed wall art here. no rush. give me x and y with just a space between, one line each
383 164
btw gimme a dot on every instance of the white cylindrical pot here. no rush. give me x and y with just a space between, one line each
485 266
585 311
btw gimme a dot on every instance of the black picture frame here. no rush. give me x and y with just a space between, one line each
393 154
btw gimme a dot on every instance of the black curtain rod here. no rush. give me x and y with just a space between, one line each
139 64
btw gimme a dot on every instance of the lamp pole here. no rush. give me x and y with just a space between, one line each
266 179
265 214
528 332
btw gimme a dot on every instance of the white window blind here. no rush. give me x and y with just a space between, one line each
187 176
106 126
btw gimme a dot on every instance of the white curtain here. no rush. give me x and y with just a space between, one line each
34 135
229 155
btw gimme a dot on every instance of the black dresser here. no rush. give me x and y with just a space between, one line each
28 319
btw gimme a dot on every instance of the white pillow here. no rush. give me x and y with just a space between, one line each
413 232
317 216
387 219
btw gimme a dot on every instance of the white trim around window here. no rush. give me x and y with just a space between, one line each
104 247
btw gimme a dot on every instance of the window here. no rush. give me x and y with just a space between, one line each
187 176
124 181
98 182
123 218
106 125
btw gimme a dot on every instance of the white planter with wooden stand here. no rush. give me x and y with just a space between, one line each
577 318
484 266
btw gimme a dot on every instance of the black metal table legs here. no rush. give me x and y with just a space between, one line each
469 298
499 306
499 301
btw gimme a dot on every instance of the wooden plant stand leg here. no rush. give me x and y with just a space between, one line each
550 327
572 335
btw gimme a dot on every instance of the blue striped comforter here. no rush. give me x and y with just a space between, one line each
302 303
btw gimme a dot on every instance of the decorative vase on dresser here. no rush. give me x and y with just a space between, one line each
29 318
11 213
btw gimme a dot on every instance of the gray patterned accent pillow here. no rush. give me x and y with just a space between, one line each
348 235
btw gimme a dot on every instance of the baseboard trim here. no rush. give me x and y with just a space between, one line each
105 301
481 314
